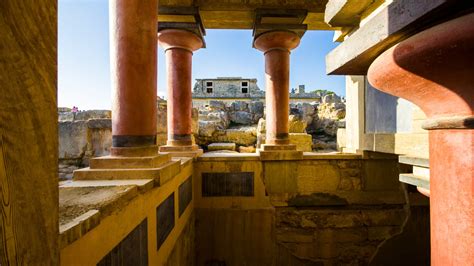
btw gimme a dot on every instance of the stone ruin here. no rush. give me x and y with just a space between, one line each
313 127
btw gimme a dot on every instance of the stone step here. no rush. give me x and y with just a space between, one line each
114 162
415 180
161 174
221 147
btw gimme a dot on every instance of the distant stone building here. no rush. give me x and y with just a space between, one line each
230 89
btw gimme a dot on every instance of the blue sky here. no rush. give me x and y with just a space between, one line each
83 57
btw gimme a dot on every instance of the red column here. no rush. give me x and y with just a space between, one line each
133 27
435 70
179 46
276 46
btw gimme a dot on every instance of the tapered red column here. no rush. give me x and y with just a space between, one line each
434 69
133 54
276 46
179 46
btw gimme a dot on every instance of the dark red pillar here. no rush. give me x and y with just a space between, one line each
435 70
133 53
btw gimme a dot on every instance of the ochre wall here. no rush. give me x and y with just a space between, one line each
323 209
114 228
28 133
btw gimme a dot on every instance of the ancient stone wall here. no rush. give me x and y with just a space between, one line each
323 210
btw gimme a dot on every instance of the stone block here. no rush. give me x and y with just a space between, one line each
256 107
221 146
303 141
111 162
161 174
341 235
380 175
216 105
100 141
73 139
283 155
245 136
239 106
315 178
296 125
247 149
93 114
280 177
241 117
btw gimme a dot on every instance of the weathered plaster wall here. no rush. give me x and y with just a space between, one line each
28 133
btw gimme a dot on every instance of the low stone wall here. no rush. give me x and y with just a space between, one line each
81 140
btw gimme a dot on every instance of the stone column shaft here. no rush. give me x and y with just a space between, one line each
434 69
178 68
277 78
179 46
276 46
133 57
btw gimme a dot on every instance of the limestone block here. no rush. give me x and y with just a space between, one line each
72 139
245 136
221 146
256 108
100 141
93 114
216 105
65 116
241 117
324 145
303 141
245 149
296 125
207 128
239 106
317 177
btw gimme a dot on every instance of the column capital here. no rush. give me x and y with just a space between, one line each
179 39
277 40
433 69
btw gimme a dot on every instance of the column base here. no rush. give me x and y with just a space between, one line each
134 151
131 163
181 151
274 152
